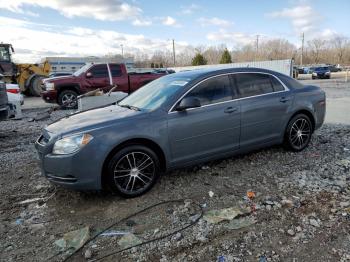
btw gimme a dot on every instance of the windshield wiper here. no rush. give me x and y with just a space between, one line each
130 107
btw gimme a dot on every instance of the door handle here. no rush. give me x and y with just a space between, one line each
284 99
230 110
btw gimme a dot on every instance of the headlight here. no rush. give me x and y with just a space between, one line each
328 72
314 73
49 86
71 144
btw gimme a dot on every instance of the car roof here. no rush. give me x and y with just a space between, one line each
207 72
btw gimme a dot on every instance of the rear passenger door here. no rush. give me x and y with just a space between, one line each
119 78
265 102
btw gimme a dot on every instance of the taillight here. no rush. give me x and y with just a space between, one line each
13 90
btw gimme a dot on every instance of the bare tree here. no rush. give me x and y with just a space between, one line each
316 45
340 44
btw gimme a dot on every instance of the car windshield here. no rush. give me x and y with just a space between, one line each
154 94
321 68
82 70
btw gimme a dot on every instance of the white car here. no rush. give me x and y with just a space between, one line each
15 100
14 94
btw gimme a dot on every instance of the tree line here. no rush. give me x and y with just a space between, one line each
315 51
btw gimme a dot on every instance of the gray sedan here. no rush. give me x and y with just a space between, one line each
179 120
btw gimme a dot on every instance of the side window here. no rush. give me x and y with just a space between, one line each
277 86
252 84
99 71
213 90
115 70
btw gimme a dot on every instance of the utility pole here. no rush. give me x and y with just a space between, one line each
174 52
257 46
122 50
302 48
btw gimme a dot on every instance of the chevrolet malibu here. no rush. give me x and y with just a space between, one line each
175 121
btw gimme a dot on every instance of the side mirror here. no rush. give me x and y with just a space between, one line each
187 103
89 75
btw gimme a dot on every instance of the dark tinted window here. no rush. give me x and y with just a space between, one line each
213 90
252 84
277 86
99 71
115 70
290 82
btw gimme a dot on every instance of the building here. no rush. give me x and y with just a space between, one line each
72 64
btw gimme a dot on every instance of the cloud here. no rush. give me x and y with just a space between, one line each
33 41
190 9
112 10
141 22
214 21
303 17
170 21
230 37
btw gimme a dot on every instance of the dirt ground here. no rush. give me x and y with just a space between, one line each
300 212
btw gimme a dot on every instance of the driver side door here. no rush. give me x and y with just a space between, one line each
210 129
99 78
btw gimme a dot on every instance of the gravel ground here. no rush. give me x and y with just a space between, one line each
300 212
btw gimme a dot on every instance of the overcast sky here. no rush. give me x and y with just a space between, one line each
38 28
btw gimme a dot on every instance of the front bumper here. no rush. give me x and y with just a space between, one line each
78 171
49 96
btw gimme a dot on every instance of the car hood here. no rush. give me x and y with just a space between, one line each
58 79
92 119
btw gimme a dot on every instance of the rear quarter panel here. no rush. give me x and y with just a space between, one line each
312 99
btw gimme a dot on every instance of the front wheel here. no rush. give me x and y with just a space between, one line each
133 171
68 99
298 133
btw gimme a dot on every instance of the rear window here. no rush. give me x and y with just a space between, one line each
290 82
115 70
252 84
277 85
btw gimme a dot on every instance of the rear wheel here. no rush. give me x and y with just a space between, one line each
68 99
298 133
133 171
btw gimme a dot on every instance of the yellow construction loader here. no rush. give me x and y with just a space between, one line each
27 76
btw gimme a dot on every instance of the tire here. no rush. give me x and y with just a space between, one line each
4 114
35 88
68 99
124 174
298 133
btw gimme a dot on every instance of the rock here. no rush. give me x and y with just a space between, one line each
344 204
287 203
88 254
290 232
178 236
313 222
268 207
298 229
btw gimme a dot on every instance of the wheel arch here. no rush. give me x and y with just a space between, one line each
134 141
306 112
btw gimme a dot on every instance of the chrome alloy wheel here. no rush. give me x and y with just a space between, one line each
300 133
69 100
134 172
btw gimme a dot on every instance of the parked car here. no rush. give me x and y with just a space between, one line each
321 72
178 120
4 108
64 90
14 93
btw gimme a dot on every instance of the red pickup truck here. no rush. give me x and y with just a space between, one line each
64 90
